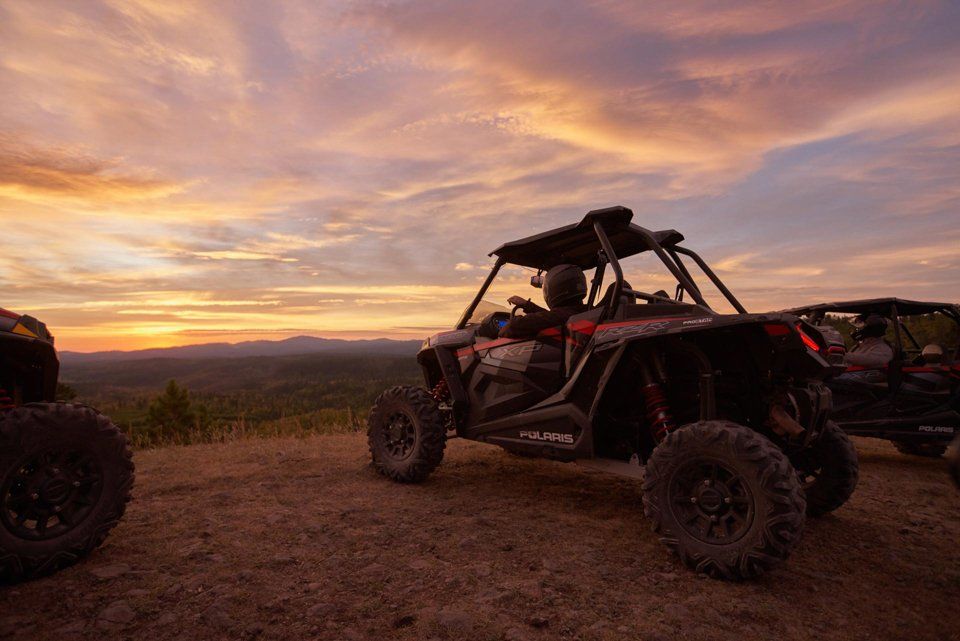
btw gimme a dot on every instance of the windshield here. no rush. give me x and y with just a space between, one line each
484 309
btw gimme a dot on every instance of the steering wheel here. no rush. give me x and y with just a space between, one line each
513 312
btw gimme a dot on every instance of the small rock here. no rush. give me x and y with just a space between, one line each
514 634
283 559
454 620
117 612
110 571
321 610
313 587
538 621
167 618
253 630
404 620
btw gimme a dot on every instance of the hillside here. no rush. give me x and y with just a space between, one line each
255 394
300 539
226 375
288 347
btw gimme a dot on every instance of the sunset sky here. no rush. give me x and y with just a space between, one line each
176 172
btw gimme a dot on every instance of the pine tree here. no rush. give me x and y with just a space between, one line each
172 412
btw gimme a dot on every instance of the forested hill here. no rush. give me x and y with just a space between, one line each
288 347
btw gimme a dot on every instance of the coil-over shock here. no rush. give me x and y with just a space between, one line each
659 417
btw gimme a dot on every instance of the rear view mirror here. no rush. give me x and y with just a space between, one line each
537 281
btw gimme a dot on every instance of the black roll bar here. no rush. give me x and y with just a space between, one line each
713 278
617 271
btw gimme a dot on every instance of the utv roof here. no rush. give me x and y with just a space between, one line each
578 244
877 306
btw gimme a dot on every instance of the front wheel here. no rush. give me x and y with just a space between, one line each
724 498
65 479
829 470
406 434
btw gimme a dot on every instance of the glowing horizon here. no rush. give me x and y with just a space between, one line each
194 172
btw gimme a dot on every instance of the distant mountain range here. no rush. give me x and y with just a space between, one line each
286 347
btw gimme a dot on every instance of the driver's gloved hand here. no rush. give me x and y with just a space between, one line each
523 303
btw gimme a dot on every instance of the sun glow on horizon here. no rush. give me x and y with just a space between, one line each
192 172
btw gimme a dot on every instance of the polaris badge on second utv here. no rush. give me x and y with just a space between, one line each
724 416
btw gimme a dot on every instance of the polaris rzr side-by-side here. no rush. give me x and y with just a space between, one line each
65 470
724 416
912 399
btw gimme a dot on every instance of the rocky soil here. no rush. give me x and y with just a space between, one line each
300 539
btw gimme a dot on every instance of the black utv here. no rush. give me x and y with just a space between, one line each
727 413
914 399
65 470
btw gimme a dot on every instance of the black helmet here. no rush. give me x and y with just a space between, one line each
564 285
869 326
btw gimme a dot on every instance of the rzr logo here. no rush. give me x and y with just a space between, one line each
553 437
633 330
516 351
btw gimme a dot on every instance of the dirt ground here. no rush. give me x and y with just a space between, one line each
300 539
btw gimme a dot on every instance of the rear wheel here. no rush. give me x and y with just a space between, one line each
724 498
406 434
829 470
924 449
65 479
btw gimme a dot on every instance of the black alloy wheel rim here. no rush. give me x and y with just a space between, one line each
400 436
711 501
50 493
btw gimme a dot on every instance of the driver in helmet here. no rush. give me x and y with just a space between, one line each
871 351
564 288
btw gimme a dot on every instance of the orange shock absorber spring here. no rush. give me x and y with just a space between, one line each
440 392
658 410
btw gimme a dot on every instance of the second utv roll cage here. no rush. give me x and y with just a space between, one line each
604 236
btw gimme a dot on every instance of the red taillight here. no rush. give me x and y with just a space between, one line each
782 329
809 342
8 313
776 329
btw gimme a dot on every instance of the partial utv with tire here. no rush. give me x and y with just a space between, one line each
723 416
66 471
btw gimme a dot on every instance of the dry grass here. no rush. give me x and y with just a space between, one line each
300 539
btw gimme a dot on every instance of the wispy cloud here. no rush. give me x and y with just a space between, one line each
342 167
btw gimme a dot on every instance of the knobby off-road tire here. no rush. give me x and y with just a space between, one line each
724 498
406 434
926 450
66 473
829 471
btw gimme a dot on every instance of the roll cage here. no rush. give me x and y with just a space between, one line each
602 238
895 309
